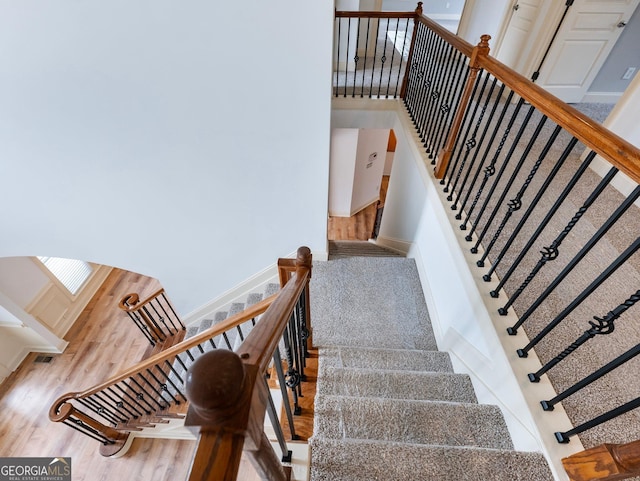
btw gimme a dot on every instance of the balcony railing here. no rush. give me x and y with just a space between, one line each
514 163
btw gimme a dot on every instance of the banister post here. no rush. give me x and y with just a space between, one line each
444 156
405 79
227 413
607 462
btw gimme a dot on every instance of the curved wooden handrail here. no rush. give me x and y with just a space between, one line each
617 151
373 14
137 303
168 354
607 462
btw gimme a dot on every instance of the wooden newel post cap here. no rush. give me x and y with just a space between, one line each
214 381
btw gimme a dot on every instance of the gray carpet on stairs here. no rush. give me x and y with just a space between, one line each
388 406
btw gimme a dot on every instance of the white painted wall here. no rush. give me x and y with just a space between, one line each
369 165
344 147
163 138
481 17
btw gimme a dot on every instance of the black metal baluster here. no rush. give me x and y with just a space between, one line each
142 326
556 167
404 45
161 318
602 326
479 149
161 335
413 77
427 98
118 399
439 92
116 409
275 423
226 340
165 388
470 142
173 370
490 169
81 427
304 331
393 56
356 58
594 376
600 233
423 87
608 416
550 253
172 311
277 362
240 333
100 410
366 54
383 59
514 204
292 377
375 54
505 162
138 399
339 22
450 104
619 261
143 390
433 94
159 388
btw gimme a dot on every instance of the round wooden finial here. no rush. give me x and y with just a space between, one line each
214 381
484 40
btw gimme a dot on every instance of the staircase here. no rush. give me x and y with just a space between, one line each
388 404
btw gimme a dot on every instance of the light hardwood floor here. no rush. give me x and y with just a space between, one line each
360 225
102 342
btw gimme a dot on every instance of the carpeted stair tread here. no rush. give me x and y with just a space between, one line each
409 421
271 289
253 298
389 359
343 249
396 384
360 301
361 460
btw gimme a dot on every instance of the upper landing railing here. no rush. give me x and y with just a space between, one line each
557 242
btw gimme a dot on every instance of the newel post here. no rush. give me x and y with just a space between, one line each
405 79
444 156
227 413
607 462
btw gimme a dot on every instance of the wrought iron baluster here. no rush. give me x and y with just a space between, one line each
414 74
490 169
505 162
143 391
470 142
375 54
594 376
602 326
383 59
99 409
619 261
551 252
356 57
433 93
165 387
366 54
441 90
175 316
81 427
404 45
110 406
600 233
479 149
292 377
346 63
277 362
515 203
339 23
161 318
175 373
556 167
393 56
609 415
425 85
275 423
226 340
119 399
138 399
142 326
161 387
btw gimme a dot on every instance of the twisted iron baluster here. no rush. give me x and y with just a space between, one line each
491 168
551 252
602 325
516 203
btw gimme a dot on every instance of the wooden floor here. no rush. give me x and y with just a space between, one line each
102 342
359 226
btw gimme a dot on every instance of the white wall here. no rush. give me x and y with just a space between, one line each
188 142
481 17
344 146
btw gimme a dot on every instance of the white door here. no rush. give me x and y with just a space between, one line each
587 35
517 32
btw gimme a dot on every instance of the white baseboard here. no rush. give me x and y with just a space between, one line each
397 245
602 97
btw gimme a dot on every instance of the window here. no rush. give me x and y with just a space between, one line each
71 273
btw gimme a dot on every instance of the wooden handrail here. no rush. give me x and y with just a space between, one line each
607 462
452 39
168 354
617 151
228 395
373 14
137 304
